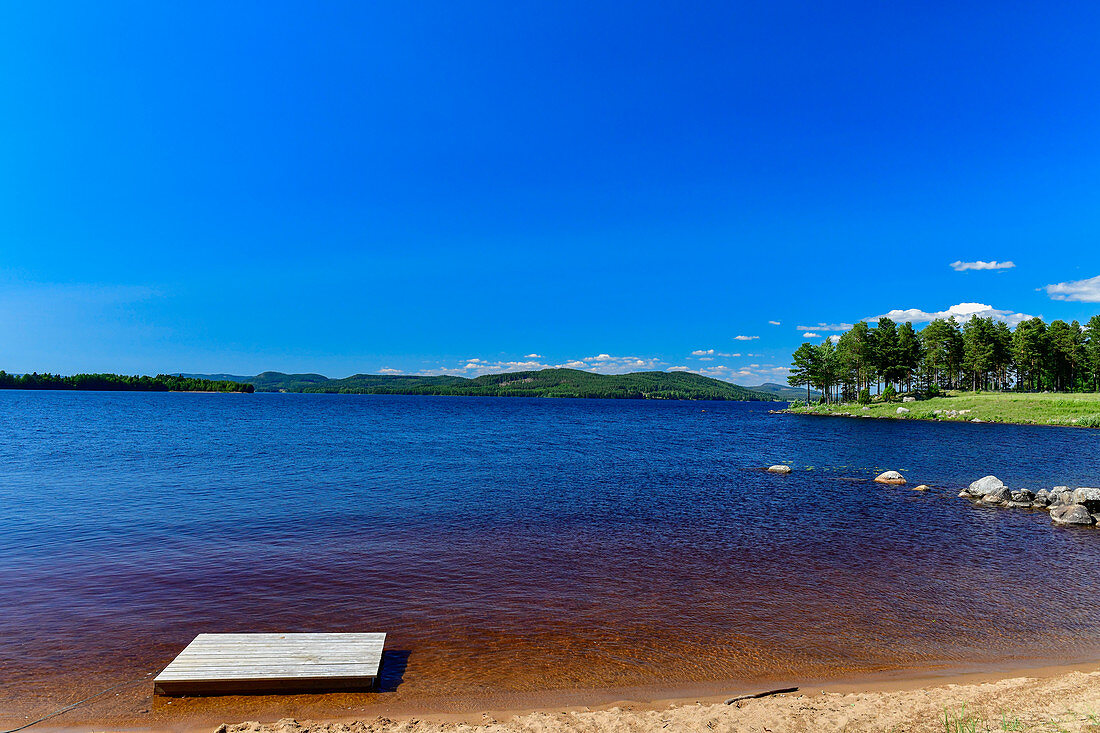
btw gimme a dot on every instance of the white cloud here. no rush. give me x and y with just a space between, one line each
962 312
775 323
835 338
745 338
533 356
960 266
827 327
811 335
746 375
679 369
389 370
703 354
1081 291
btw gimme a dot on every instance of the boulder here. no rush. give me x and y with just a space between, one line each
1089 497
997 496
908 399
1042 499
865 408
1061 496
984 485
902 411
964 494
779 469
1072 514
1023 495
922 487
890 477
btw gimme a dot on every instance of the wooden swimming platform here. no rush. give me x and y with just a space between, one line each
227 664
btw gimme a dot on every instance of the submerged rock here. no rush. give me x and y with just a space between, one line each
922 487
1072 514
779 469
890 477
984 485
997 496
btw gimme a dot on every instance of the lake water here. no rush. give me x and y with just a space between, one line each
517 546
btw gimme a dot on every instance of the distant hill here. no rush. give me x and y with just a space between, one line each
777 391
544 383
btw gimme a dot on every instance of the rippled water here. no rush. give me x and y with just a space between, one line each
524 545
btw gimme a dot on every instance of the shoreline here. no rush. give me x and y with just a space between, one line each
902 418
1043 409
643 708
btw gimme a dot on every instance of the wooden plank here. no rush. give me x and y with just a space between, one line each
248 663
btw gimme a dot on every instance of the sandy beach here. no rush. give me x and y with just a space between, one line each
1052 699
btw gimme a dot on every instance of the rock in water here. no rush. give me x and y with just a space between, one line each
998 496
1042 498
1071 514
779 469
984 485
922 487
1089 497
1023 496
890 477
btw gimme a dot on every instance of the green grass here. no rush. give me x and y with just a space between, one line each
1079 410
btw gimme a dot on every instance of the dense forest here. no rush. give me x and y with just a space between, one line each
982 354
544 383
120 383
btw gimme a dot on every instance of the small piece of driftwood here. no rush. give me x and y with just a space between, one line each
769 693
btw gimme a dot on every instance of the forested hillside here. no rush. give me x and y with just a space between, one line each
120 383
544 383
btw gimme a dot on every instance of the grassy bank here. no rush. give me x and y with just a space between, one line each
1080 410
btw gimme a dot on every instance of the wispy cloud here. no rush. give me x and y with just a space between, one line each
747 375
1081 291
390 370
533 356
827 327
745 338
775 323
704 353
960 266
961 312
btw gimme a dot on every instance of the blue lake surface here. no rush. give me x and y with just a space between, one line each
499 541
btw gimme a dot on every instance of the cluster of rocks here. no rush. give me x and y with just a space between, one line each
951 413
1066 505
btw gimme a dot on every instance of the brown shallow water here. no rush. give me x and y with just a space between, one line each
519 553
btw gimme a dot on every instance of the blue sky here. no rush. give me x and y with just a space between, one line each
469 187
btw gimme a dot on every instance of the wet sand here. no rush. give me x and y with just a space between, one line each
1068 701
903 701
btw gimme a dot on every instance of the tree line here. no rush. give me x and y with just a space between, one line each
981 354
119 383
